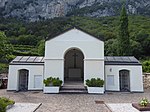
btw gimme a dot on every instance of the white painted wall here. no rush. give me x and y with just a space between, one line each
93 69
136 79
92 49
54 68
13 76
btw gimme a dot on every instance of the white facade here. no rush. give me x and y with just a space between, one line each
90 63
135 74
34 71
92 49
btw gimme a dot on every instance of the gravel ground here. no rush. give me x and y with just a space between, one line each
74 102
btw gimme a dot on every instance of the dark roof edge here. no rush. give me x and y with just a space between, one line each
99 38
116 62
124 64
26 64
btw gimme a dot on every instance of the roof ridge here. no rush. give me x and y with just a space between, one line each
75 27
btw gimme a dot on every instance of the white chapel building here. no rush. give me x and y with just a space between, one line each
75 55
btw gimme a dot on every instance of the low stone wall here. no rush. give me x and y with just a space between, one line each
146 80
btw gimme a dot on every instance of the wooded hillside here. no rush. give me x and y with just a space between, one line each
27 38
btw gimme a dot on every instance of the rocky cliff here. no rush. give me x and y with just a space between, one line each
33 10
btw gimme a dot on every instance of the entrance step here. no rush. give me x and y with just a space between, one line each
73 87
73 91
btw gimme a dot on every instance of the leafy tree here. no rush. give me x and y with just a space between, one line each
28 40
136 48
41 48
144 39
3 68
123 38
6 48
30 33
111 47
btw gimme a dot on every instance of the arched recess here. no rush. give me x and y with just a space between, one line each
124 80
23 79
74 65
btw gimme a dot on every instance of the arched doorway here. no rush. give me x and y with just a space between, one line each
74 65
23 79
124 79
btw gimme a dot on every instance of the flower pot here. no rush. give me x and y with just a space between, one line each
97 90
51 89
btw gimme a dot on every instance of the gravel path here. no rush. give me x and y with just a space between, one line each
73 102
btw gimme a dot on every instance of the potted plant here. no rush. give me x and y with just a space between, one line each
143 105
52 85
144 102
95 85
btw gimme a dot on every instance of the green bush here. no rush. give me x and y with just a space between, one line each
4 102
57 82
93 82
3 67
146 66
50 81
3 106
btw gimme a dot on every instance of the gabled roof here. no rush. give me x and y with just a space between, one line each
28 60
121 60
74 27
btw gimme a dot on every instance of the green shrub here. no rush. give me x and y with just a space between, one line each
3 106
50 81
93 82
3 67
57 82
4 102
46 82
146 66
144 102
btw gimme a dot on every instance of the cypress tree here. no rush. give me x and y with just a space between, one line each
123 48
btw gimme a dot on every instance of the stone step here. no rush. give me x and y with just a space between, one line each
73 91
73 87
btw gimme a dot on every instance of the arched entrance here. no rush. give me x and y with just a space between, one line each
74 65
23 80
124 79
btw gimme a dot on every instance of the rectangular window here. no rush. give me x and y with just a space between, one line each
110 80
